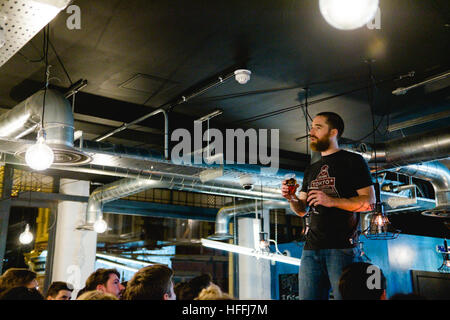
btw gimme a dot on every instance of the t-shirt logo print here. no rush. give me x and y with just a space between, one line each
325 183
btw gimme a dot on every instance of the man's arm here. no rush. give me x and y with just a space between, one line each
360 203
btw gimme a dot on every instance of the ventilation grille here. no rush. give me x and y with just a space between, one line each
63 156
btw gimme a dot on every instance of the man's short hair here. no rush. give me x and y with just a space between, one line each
100 276
334 121
16 277
149 283
56 287
354 283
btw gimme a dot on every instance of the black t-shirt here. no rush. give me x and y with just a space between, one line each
338 175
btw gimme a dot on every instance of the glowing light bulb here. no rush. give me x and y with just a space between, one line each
26 237
379 220
348 14
100 225
447 263
39 156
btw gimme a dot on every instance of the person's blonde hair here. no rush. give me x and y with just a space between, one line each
213 292
97 295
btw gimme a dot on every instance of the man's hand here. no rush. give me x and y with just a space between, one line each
299 207
285 190
319 198
360 203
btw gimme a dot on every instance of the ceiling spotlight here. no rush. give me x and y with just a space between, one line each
100 225
39 156
26 237
348 14
242 76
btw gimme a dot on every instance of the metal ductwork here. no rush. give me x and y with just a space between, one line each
58 125
404 155
439 176
423 147
191 184
225 215
114 191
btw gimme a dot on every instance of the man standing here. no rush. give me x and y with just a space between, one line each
337 187
106 281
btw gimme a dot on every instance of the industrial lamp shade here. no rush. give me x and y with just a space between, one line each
348 14
380 227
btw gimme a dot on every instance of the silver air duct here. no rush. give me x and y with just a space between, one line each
191 184
423 147
439 176
404 154
226 213
114 191
26 117
58 124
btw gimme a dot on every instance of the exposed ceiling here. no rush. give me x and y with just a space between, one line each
138 55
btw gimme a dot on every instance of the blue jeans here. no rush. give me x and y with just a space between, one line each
321 269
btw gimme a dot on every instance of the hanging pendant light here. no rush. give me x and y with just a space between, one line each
100 225
379 225
39 156
26 237
348 14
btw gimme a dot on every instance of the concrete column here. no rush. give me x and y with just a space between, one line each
254 274
74 255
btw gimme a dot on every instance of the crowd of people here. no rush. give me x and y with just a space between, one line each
155 282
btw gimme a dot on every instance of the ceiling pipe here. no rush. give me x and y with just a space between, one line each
225 214
411 156
113 191
127 125
75 88
191 184
26 117
181 100
58 124
402 91
125 187
422 147
439 176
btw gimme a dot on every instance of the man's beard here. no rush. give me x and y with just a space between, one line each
321 144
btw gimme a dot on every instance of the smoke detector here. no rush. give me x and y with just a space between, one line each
247 182
242 75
